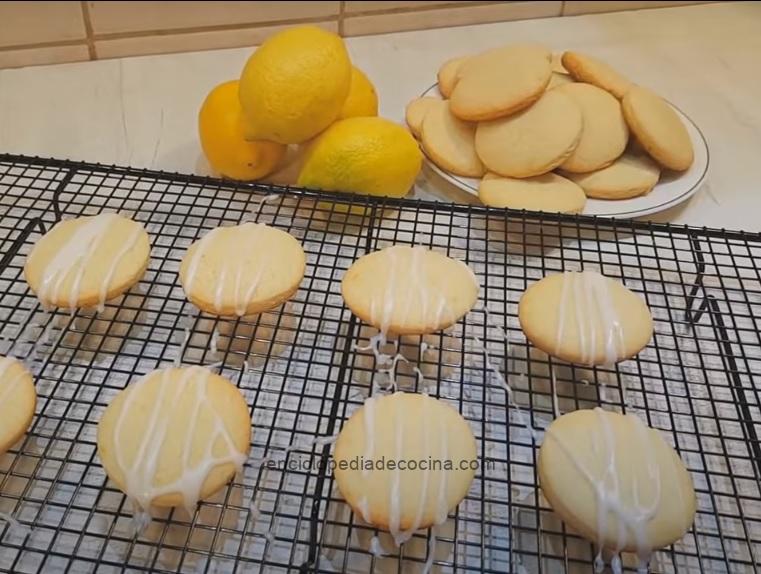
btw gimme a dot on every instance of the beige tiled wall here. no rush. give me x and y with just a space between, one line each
33 33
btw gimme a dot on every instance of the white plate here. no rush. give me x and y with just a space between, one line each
672 189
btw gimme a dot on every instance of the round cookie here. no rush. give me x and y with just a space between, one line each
605 134
242 269
630 175
406 428
587 69
549 192
174 437
415 113
409 290
450 142
18 400
533 141
449 74
585 318
500 82
616 481
86 261
658 128
556 63
559 79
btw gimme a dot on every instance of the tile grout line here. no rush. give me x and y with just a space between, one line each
88 30
341 16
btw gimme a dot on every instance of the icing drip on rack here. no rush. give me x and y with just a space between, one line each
586 297
140 474
73 257
609 493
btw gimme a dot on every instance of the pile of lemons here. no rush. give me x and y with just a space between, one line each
300 89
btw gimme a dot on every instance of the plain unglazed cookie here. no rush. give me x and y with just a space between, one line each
409 290
605 134
549 192
501 82
450 142
174 437
631 175
242 269
415 112
416 431
449 74
658 129
585 68
18 399
533 141
616 481
559 79
585 318
86 261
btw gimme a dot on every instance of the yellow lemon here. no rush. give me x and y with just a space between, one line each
367 155
362 99
220 128
295 85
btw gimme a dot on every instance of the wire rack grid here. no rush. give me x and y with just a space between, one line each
303 373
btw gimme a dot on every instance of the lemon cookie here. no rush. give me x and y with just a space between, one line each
86 261
587 69
415 112
556 64
558 79
450 142
616 481
449 75
585 318
658 128
174 437
533 141
409 290
630 175
549 192
403 461
242 269
17 401
500 82
605 134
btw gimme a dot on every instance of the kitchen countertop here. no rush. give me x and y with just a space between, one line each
142 111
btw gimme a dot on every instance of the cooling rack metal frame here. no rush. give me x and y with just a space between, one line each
303 372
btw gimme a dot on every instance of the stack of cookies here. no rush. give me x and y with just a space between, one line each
545 133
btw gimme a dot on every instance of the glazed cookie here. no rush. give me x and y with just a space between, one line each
86 261
450 142
415 112
585 318
18 399
596 72
533 141
174 437
556 63
409 290
501 82
549 192
242 269
658 128
630 175
616 481
449 75
605 134
419 433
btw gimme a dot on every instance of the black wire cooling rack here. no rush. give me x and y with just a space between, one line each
303 376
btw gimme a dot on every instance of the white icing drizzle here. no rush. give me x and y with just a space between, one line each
492 323
214 342
418 520
423 347
369 417
14 524
139 476
374 344
555 405
608 491
376 548
592 306
74 256
394 514
195 260
503 383
431 552
364 509
263 200
132 240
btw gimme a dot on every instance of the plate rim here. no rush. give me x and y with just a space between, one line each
674 201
